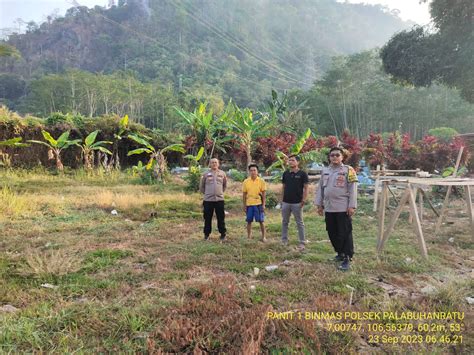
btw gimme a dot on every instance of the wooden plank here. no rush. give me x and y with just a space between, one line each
417 223
396 171
394 218
383 201
446 198
470 211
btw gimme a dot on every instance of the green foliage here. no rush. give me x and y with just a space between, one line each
55 147
7 50
59 117
445 134
271 199
90 145
237 175
156 165
193 178
355 94
281 163
421 56
5 159
226 50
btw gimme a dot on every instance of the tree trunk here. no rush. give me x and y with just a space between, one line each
249 156
59 164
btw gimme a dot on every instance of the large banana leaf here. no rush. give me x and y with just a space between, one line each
196 157
53 142
99 144
141 141
103 150
40 142
296 148
63 139
90 139
139 151
123 123
13 142
67 144
174 147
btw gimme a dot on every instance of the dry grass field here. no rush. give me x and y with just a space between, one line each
81 279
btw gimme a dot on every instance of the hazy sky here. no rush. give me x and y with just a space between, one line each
409 9
37 10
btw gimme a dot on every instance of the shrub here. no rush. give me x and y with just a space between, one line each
193 178
444 134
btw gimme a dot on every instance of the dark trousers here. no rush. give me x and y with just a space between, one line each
208 208
339 227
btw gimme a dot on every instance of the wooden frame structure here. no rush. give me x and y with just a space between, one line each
413 185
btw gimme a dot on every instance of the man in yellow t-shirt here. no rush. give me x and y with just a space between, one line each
253 197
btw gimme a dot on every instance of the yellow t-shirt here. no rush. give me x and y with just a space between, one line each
254 188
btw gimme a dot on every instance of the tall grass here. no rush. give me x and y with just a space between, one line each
12 204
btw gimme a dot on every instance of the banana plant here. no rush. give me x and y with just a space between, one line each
5 159
206 127
194 176
246 128
157 161
195 158
89 146
55 147
281 163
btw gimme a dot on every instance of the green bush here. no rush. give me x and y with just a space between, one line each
59 117
237 175
444 134
271 199
193 178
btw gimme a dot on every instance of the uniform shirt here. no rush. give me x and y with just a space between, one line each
254 189
337 190
213 185
294 185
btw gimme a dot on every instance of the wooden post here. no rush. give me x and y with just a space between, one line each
383 200
394 218
420 202
376 192
429 203
417 223
448 192
470 211
410 217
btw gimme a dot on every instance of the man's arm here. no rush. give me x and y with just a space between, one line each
224 182
263 195
319 197
352 189
244 201
202 184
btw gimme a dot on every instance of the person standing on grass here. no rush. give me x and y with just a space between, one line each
295 192
336 197
213 184
253 196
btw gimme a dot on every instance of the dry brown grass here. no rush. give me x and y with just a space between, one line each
54 262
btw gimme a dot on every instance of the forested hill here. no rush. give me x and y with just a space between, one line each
239 48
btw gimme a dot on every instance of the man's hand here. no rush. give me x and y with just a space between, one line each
320 210
351 211
245 209
263 208
302 203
